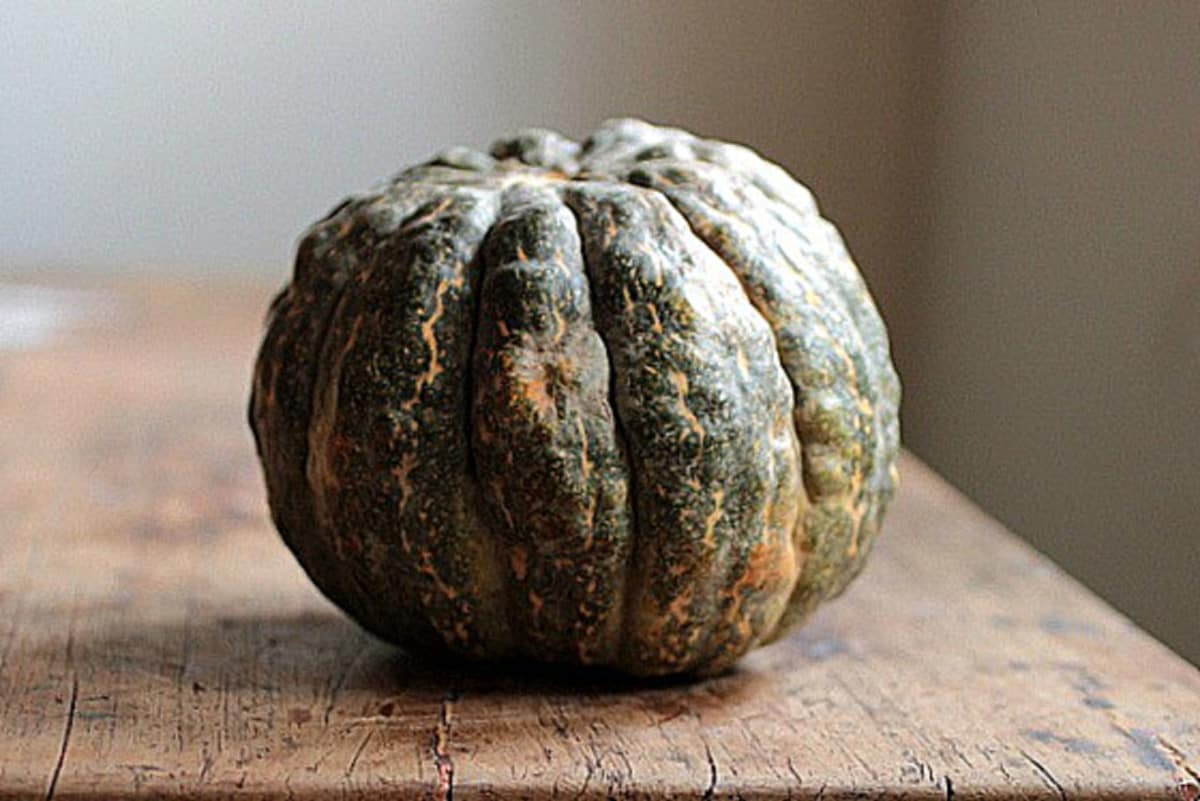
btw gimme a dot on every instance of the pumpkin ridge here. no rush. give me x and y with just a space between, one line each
628 144
470 379
416 629
789 202
876 380
483 569
792 206
293 516
628 585
859 303
700 433
766 632
551 468
715 658
336 584
325 393
396 480
707 241
875 376
863 511
878 374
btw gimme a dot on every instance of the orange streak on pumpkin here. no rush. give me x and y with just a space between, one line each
762 571
561 262
484 433
325 445
535 603
678 608
401 473
585 461
428 569
498 490
856 510
714 517
560 325
430 338
585 472
655 323
431 214
681 384
537 392
610 232
519 559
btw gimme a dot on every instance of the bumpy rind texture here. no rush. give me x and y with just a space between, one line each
624 402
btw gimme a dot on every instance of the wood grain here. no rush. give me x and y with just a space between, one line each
156 638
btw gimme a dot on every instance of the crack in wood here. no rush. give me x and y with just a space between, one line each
335 687
590 767
442 761
1148 745
181 673
795 773
712 774
1046 775
66 737
362 745
206 766
1180 760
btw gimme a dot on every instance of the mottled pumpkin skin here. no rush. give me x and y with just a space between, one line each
624 402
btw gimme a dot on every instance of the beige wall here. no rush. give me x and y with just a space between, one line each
1057 373
1019 183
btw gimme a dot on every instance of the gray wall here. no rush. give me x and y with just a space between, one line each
1057 377
208 135
1020 184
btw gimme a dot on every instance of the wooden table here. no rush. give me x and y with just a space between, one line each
157 639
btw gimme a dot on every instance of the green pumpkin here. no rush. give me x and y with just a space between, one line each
624 402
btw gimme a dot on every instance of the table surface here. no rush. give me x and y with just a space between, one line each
156 638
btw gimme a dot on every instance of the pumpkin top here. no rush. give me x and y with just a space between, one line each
613 153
